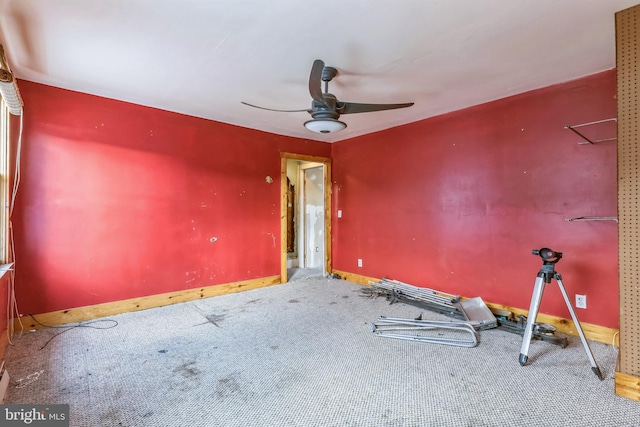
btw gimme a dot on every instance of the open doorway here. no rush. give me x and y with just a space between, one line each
306 217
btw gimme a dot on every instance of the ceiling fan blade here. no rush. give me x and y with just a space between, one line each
315 81
273 109
354 107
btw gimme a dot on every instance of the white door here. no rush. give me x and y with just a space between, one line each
314 217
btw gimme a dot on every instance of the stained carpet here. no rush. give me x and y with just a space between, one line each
303 354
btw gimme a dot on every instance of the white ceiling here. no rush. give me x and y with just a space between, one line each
202 57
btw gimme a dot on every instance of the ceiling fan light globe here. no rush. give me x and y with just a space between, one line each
325 125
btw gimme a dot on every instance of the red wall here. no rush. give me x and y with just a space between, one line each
457 202
120 201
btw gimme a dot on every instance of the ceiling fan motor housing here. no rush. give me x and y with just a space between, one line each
327 110
325 115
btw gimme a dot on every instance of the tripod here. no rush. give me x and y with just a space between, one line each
546 273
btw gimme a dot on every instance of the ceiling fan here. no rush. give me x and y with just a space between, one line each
325 107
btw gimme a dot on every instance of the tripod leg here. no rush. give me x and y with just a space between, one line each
594 365
538 288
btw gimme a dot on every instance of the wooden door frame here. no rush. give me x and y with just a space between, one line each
326 162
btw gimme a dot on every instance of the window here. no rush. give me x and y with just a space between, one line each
4 183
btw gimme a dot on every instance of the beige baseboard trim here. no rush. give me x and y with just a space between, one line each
565 326
81 314
627 386
355 278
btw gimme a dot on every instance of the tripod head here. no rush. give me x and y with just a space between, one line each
549 257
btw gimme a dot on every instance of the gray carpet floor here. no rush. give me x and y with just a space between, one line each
303 354
303 273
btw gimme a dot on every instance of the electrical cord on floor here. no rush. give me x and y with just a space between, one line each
90 324
12 305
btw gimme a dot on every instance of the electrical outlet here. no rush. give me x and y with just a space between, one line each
581 301
359 262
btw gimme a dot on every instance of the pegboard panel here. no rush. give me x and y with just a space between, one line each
627 57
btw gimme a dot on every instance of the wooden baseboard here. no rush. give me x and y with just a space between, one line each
565 326
627 386
355 278
81 314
